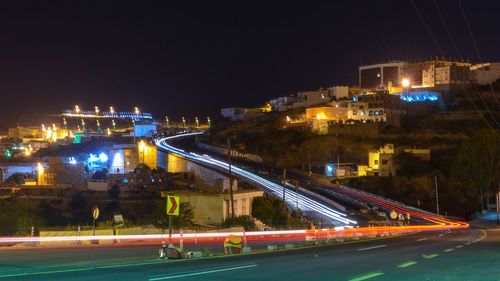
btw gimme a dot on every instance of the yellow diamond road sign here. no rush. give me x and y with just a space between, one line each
173 204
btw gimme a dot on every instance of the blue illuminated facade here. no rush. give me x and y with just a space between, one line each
420 96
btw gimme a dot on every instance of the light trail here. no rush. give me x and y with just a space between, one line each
305 203
346 230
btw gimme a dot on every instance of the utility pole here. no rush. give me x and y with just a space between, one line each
309 158
230 177
437 195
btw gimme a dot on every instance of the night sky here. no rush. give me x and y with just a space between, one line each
192 58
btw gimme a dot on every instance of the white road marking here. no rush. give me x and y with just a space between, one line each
422 239
373 247
216 270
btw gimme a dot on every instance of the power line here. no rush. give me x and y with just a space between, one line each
469 29
429 32
462 84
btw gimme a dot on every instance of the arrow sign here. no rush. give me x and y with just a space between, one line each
173 203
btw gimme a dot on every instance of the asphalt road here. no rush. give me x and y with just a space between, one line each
457 255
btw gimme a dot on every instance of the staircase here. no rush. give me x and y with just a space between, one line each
260 225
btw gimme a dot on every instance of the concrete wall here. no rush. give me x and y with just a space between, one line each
176 164
214 208
211 178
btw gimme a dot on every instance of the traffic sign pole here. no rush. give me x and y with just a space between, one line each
95 215
173 205
170 230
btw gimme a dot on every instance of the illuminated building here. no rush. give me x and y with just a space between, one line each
319 118
485 73
60 173
25 132
380 161
379 75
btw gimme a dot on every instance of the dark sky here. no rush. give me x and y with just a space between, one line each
191 58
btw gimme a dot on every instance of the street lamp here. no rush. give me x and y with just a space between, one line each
136 110
108 132
183 121
114 124
96 110
405 83
77 109
111 110
209 122
167 121
197 122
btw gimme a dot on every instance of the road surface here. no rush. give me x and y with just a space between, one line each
464 254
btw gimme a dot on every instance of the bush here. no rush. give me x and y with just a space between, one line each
17 218
244 221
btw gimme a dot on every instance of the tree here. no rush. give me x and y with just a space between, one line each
15 179
411 166
477 164
17 218
244 221
100 175
271 211
80 209
114 191
184 219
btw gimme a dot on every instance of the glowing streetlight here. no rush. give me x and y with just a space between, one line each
96 110
98 126
197 122
65 123
114 124
209 122
288 119
111 110
136 110
77 109
405 83
183 121
108 132
167 121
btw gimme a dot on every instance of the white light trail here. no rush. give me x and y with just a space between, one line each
291 197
